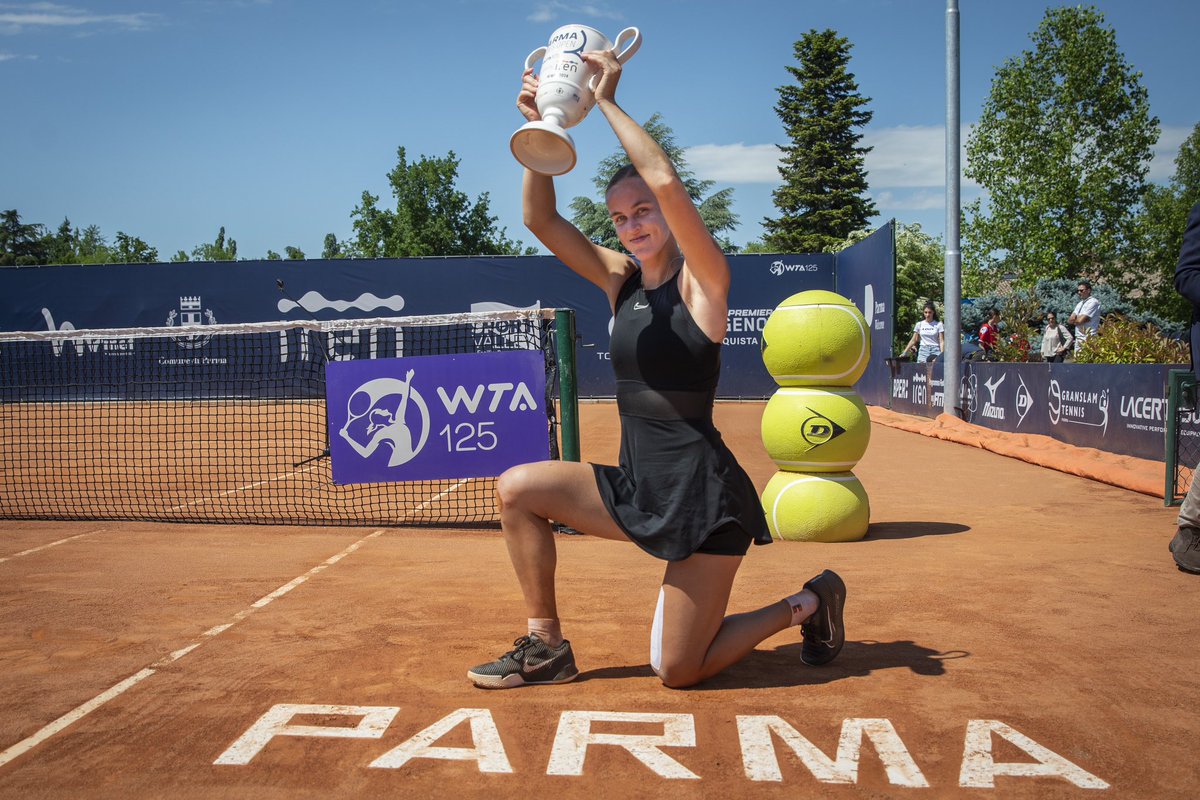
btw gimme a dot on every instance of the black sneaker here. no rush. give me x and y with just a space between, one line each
1186 549
824 633
531 661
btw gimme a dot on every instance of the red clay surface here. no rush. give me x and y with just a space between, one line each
988 589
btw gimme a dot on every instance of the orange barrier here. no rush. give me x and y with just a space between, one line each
1139 474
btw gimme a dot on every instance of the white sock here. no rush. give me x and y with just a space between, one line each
547 629
803 604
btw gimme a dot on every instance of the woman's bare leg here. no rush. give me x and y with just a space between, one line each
530 496
694 638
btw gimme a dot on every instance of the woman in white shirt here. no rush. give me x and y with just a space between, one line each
1056 339
930 334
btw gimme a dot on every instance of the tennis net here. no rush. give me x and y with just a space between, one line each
226 423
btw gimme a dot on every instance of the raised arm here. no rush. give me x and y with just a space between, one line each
705 261
599 265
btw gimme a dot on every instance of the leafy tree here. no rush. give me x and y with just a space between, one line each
294 253
1061 148
219 250
591 216
332 248
372 227
756 246
182 256
823 196
132 250
1160 233
21 244
273 256
431 217
92 247
62 245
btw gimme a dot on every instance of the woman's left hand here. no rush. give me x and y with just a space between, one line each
608 72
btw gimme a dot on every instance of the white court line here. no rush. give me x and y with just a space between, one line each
30 742
431 501
255 485
43 547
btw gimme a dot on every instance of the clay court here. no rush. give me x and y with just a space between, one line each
1013 631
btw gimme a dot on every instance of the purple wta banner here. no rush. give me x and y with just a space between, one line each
430 417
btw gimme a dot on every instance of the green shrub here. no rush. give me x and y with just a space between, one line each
1124 341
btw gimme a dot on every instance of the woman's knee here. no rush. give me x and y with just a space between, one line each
514 488
677 676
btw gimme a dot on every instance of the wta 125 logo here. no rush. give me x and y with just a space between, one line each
432 417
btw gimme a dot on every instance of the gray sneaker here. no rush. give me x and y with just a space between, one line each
1185 547
532 661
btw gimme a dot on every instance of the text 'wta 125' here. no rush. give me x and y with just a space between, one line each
436 417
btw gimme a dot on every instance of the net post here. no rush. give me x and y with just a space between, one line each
1170 440
568 393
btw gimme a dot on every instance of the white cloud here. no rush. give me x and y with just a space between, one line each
16 18
906 156
548 11
15 57
921 200
735 163
903 156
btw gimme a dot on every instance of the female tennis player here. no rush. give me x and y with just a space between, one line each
678 493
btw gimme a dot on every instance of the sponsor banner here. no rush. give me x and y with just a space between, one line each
1116 408
434 417
76 297
916 389
866 274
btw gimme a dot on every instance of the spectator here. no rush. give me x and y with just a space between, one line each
989 334
1185 547
931 335
1056 339
1086 316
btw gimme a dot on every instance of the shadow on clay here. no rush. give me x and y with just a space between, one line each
911 530
783 667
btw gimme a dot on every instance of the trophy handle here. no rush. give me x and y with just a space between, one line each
634 36
534 57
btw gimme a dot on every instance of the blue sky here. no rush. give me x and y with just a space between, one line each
168 120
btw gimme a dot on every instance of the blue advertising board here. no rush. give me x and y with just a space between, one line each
866 275
1116 408
77 297
434 417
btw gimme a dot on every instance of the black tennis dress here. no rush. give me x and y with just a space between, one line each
677 482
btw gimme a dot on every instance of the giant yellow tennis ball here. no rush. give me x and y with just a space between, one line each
816 338
815 429
825 507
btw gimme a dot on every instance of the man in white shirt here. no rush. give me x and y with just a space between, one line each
1086 316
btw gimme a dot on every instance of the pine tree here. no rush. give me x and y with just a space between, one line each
823 197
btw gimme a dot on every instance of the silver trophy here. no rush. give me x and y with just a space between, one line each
564 95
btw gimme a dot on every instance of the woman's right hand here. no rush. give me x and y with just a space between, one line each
526 99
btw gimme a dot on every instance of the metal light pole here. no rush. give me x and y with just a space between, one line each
952 296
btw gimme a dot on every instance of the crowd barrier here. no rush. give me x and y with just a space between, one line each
1120 409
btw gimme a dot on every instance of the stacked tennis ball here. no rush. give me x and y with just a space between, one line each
816 344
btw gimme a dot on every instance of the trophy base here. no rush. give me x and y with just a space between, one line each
543 147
